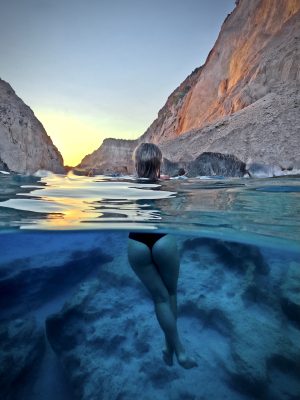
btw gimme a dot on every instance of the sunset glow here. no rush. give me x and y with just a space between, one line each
76 136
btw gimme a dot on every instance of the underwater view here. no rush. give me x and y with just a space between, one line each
150 200
77 323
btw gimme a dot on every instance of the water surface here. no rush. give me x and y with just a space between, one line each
245 210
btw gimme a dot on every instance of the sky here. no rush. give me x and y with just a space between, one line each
92 69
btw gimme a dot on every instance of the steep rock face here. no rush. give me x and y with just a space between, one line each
245 100
114 155
267 131
167 124
258 47
25 146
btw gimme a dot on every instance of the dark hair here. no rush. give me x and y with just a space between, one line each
147 158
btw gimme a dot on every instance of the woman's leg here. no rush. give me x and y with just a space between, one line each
140 259
166 258
164 251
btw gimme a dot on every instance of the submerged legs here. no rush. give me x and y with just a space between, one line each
169 349
159 273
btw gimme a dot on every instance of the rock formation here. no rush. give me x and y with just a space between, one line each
267 132
22 346
258 47
25 146
216 164
244 100
113 156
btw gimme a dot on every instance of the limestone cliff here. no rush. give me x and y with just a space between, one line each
25 146
267 131
257 51
245 99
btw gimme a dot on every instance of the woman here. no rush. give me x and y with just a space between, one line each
155 260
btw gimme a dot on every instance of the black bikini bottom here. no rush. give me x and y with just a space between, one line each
148 238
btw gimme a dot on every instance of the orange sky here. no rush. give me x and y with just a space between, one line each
77 135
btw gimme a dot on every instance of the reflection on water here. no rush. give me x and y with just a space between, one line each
237 209
79 202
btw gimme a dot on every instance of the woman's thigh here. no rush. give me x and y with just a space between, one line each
140 259
166 257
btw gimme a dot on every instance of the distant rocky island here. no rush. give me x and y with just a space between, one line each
241 108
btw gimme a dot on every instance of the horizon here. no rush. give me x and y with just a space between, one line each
90 71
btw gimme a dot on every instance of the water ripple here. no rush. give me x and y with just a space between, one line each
240 209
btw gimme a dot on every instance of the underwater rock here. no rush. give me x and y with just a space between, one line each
210 164
239 298
235 256
256 336
99 342
22 345
290 293
284 378
250 349
32 286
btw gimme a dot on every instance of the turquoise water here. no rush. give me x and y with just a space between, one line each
262 211
76 323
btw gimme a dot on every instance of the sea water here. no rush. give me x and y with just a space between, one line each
76 323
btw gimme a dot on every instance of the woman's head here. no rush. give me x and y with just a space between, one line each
147 158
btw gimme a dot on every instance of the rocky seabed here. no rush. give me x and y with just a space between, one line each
77 323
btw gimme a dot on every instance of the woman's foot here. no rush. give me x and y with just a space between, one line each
185 361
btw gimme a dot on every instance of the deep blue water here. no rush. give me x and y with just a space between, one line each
76 323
